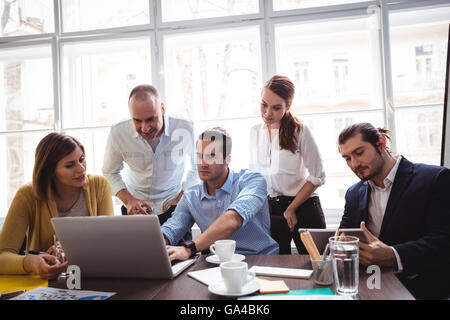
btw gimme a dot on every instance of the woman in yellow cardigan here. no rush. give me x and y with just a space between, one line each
60 187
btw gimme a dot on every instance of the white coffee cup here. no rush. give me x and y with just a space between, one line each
224 249
235 275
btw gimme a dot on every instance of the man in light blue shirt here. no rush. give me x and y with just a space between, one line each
155 147
226 205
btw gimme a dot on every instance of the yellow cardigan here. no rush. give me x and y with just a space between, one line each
29 216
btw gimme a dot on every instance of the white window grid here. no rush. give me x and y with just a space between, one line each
265 19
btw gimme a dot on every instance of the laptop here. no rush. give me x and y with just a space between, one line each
117 247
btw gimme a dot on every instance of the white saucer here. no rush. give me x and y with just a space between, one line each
215 259
220 289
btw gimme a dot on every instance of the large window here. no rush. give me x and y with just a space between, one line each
302 4
26 17
26 104
337 75
70 66
26 88
175 10
419 51
331 63
82 15
213 74
97 78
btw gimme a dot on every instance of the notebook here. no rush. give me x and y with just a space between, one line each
267 286
282 272
206 276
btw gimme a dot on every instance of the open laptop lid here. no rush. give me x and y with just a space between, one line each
115 246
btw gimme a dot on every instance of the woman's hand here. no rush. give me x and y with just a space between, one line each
45 265
291 218
51 251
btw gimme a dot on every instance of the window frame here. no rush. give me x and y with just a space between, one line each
266 20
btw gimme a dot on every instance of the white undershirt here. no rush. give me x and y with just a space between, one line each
379 198
79 209
285 172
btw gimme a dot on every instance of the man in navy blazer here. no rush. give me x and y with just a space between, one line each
403 207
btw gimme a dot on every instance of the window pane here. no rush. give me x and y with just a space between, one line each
301 4
331 63
81 15
26 17
26 88
173 10
17 159
419 55
239 129
98 77
215 74
419 133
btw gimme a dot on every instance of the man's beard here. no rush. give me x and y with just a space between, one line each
377 169
149 135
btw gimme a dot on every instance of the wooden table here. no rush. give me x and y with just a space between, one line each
185 288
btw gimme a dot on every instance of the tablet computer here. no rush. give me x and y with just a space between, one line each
321 236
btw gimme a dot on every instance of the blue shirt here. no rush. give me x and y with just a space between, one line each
154 176
244 192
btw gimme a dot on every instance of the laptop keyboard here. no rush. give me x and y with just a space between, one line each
181 265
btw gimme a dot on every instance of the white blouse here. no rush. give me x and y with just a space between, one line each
285 172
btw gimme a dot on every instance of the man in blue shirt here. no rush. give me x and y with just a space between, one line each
226 205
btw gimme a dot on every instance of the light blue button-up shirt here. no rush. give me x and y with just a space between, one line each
244 192
156 177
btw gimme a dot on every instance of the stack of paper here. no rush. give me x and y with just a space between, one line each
207 276
282 272
212 275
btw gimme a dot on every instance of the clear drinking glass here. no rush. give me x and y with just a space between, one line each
59 254
323 272
345 253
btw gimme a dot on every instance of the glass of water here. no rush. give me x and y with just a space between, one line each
59 254
345 251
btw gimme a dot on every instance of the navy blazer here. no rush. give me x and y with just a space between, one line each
416 223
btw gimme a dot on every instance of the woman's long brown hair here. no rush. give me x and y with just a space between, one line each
290 125
52 148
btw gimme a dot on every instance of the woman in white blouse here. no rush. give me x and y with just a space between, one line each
284 151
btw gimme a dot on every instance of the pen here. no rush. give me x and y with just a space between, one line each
323 266
10 294
324 257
